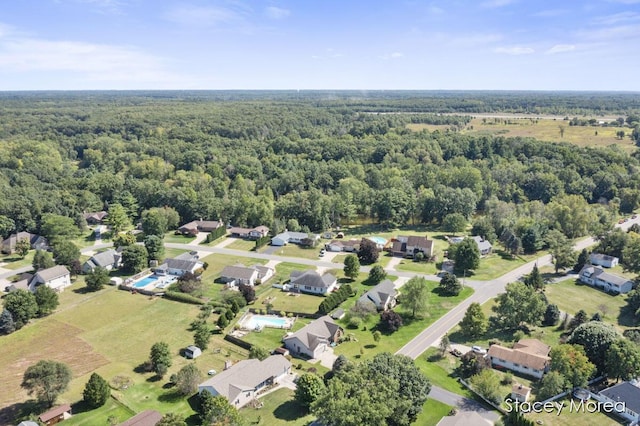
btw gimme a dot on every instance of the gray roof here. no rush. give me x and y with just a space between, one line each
626 392
316 332
105 258
600 256
464 418
482 243
288 235
181 264
238 272
145 418
52 273
246 374
380 293
312 279
598 272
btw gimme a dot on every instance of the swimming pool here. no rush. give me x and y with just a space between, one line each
259 321
378 240
145 281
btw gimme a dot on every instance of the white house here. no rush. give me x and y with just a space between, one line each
57 278
242 381
383 296
314 338
289 237
343 245
597 277
529 357
603 260
240 274
410 245
178 267
625 398
312 282
484 246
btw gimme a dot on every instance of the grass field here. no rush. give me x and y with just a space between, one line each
294 250
279 408
545 130
571 296
171 237
441 371
499 263
572 418
432 412
109 332
14 261
216 263
240 244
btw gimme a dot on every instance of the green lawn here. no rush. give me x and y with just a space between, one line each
571 296
284 269
240 244
110 332
14 261
216 263
366 347
499 263
572 418
294 250
171 237
173 252
279 409
290 302
409 265
89 417
441 371
432 412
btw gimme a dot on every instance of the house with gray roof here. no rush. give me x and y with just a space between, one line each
383 296
603 260
312 282
597 277
178 267
287 237
108 259
36 242
144 418
251 233
242 381
314 338
247 275
484 246
56 277
93 218
625 398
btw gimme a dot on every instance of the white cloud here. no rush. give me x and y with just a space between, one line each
205 16
397 55
276 12
393 55
492 4
515 50
561 48
617 18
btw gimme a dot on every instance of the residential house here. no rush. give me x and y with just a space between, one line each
484 246
312 282
529 357
520 392
242 382
28 423
192 352
350 246
197 226
626 399
178 267
287 237
56 277
383 296
55 415
145 418
314 338
109 259
94 218
409 246
464 418
603 260
240 274
597 277
252 233
36 242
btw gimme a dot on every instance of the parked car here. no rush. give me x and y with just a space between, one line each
456 353
478 350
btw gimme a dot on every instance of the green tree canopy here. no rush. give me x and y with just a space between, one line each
47 300
415 296
466 255
216 410
134 258
572 363
160 358
377 274
65 252
308 387
188 379
42 260
96 391
474 323
46 379
351 266
622 360
22 305
595 337
450 285
519 304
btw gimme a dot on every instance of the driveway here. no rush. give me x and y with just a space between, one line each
326 359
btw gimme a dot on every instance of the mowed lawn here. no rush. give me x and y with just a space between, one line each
110 332
279 409
570 296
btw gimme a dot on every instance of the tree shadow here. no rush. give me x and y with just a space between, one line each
171 397
83 290
370 346
80 407
289 411
154 379
15 413
142 368
627 317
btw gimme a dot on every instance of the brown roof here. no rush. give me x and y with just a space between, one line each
519 356
239 230
533 346
422 242
146 418
519 389
54 412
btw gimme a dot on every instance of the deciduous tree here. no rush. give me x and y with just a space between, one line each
368 252
42 260
188 379
134 259
415 296
351 266
46 379
160 358
308 387
622 360
466 255
22 247
97 279
258 352
216 410
572 363
487 384
474 323
377 274
390 321
65 252
519 304
47 300
552 384
154 246
22 305
595 337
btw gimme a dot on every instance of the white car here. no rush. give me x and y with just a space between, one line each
478 350
212 372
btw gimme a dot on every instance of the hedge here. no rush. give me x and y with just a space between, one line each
183 297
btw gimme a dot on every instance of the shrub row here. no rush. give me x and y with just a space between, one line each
335 299
262 241
214 235
183 297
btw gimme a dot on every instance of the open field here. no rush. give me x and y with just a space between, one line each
542 129
216 263
294 250
499 263
171 237
109 332
279 408
441 371
14 261
571 296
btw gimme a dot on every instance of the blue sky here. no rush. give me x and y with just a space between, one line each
320 44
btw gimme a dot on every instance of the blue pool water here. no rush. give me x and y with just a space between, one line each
259 321
378 240
145 282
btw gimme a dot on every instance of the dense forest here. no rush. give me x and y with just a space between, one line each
322 158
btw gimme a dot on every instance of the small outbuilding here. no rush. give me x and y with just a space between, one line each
55 415
192 352
520 392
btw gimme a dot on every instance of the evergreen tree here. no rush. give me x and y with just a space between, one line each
96 391
7 326
534 279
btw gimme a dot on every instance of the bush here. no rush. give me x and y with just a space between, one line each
354 322
183 297
507 379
